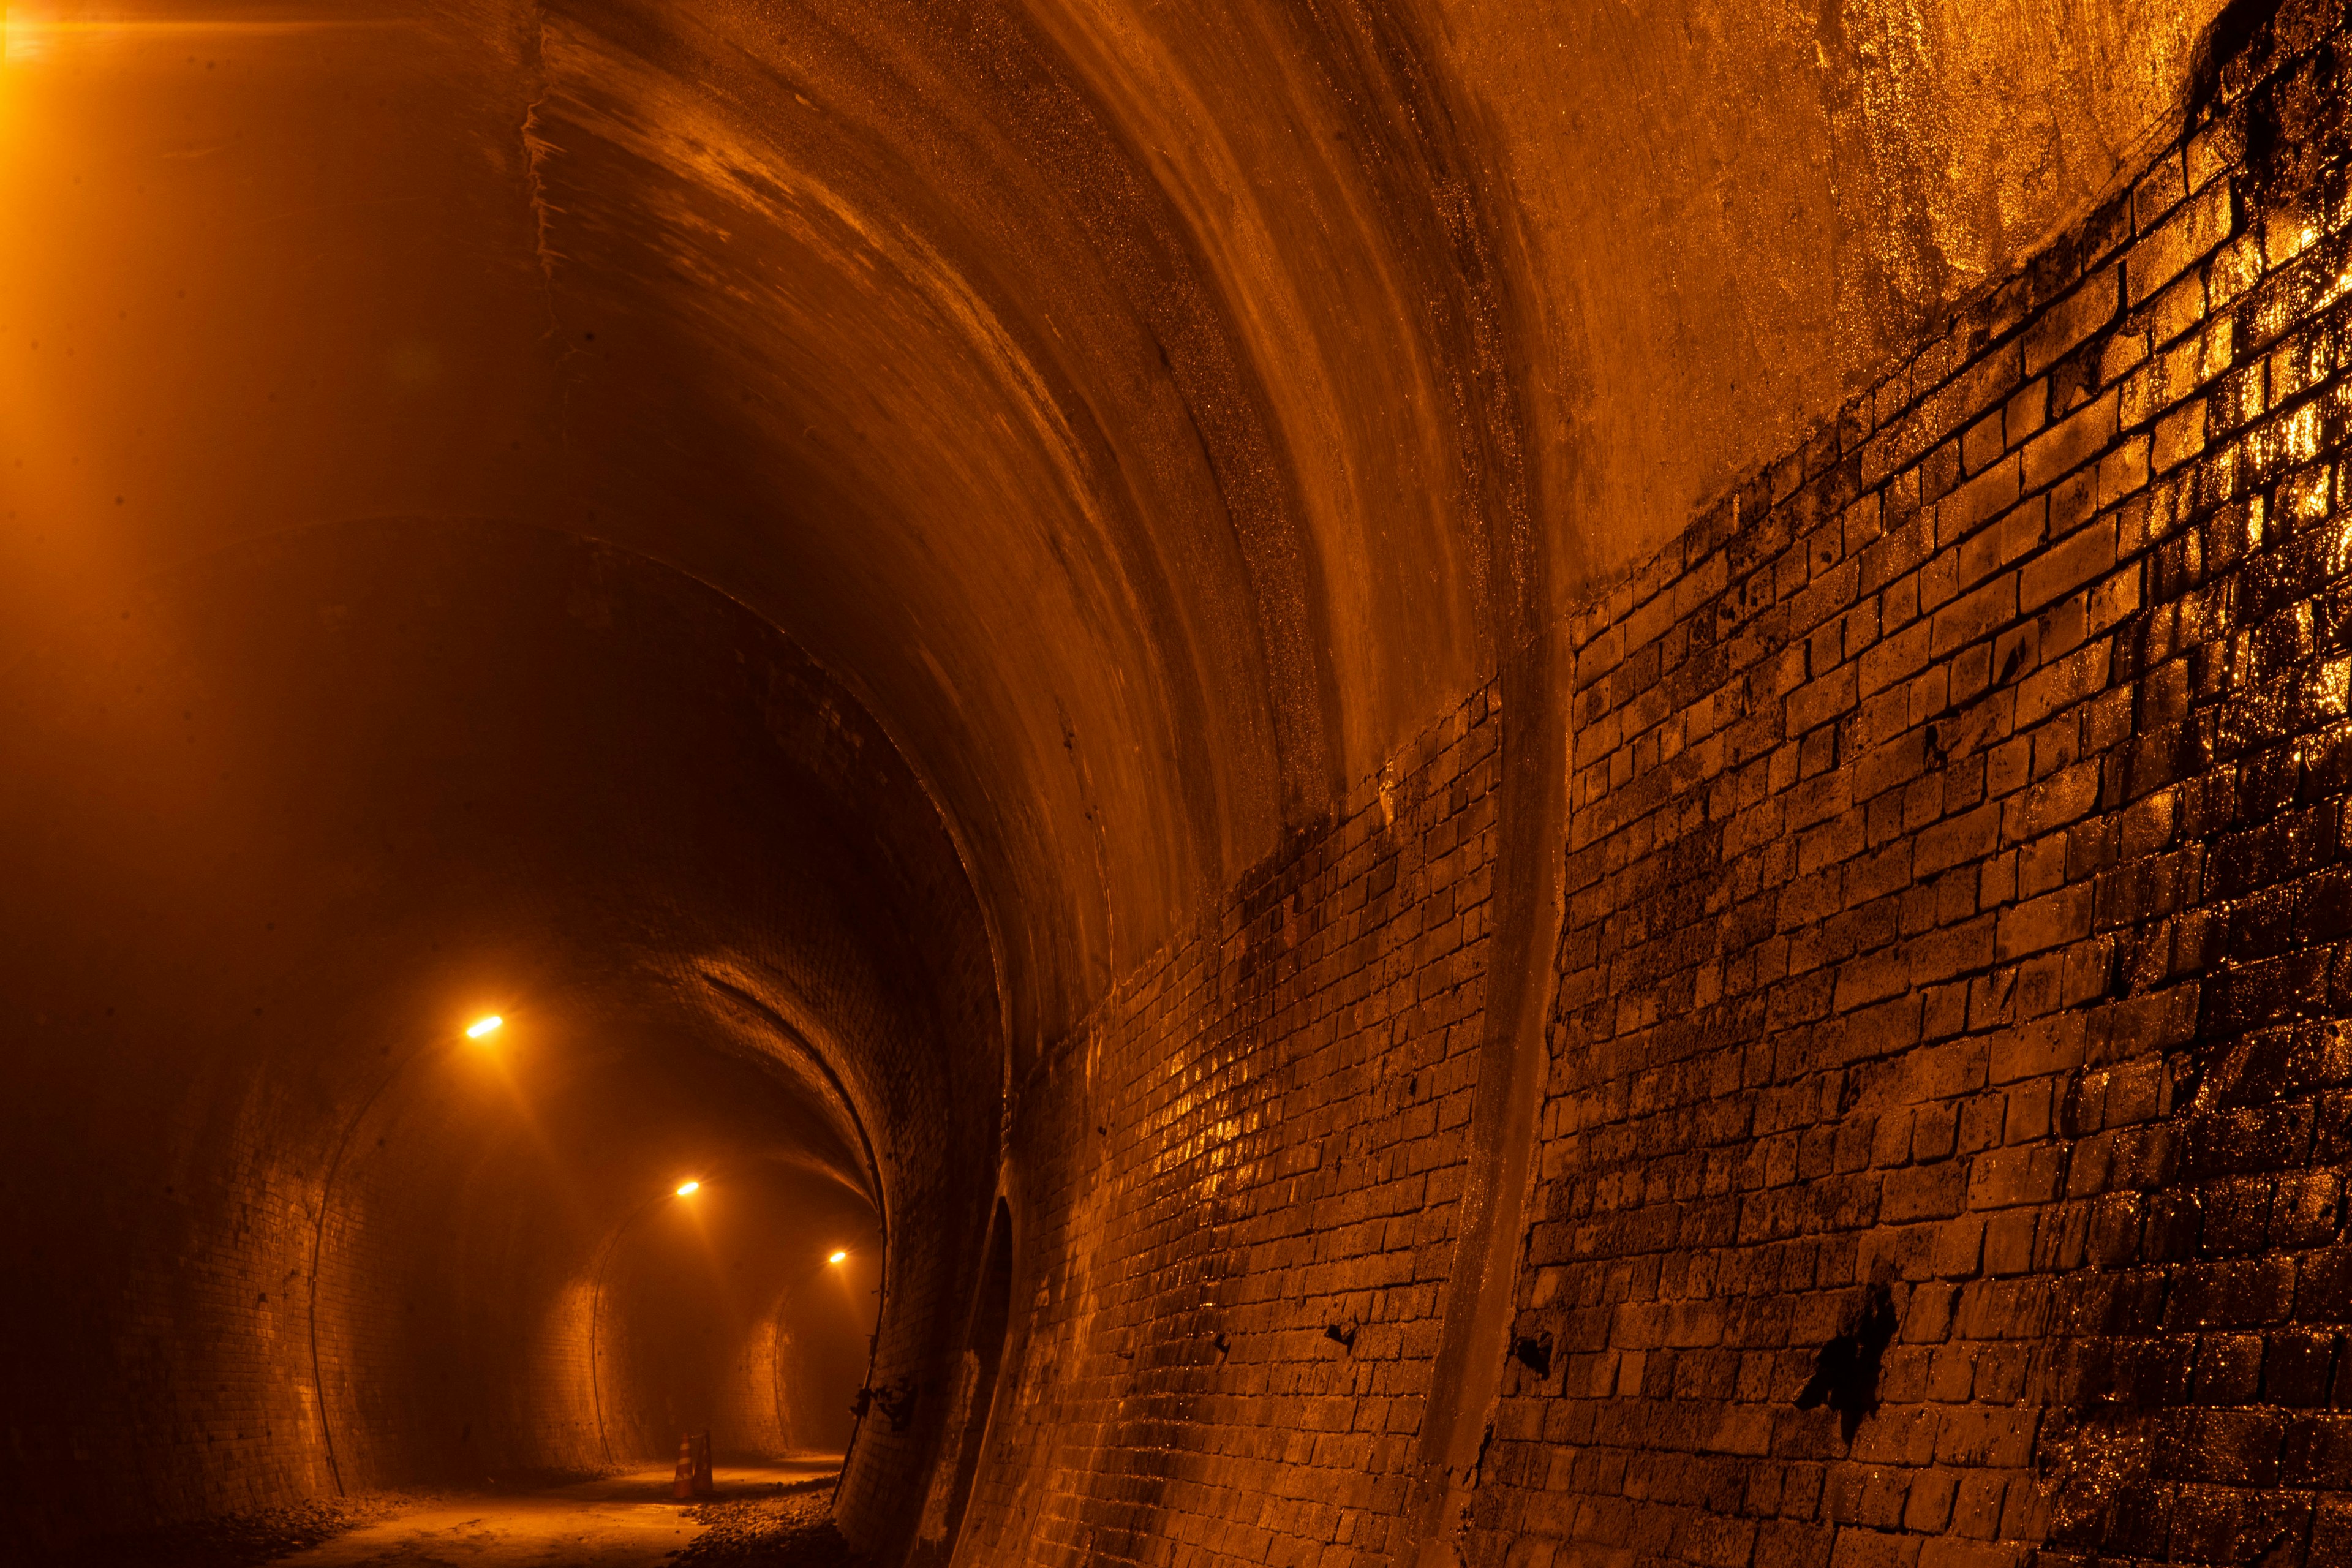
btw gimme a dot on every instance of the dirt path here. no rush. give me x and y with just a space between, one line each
622 1522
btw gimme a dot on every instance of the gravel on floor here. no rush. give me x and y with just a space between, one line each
238 1540
792 1529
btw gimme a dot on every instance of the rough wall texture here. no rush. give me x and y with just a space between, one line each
750 1407
1940 1155
1941 1160
163 1433
1245 1211
1949 953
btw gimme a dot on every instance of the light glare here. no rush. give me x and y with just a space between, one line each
485 1026
838 1258
688 1189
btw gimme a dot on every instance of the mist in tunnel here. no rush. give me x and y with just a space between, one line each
471 1008
1398 784
727 1314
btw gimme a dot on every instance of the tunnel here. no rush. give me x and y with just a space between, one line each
1066 783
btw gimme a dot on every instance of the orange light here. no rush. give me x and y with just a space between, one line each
484 1027
688 1189
838 1258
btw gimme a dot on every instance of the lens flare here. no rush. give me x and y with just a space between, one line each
838 1258
484 1027
688 1189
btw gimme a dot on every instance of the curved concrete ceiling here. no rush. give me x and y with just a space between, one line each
1152 413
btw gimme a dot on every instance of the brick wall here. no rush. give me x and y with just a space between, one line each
1241 1200
821 1352
426 1374
749 1420
1955 913
1941 1160
1949 1023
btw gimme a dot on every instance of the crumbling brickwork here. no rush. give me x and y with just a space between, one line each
1244 1215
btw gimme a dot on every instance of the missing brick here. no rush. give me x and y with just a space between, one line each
1845 1373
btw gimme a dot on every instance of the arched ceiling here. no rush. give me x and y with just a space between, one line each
1151 413
312 802
278 823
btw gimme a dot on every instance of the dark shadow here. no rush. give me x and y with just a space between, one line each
729 1484
1846 1374
990 1314
2224 38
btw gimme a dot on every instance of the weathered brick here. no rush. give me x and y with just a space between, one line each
2093 303
2067 566
2203 223
2179 436
2085 434
1975 616
1977 501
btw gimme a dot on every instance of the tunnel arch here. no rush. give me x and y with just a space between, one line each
1117 469
508 714
1154 420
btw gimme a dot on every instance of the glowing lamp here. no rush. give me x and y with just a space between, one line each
838 1258
688 1189
484 1027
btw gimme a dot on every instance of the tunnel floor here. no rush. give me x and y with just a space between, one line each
618 1521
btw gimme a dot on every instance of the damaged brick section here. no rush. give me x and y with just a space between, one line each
1960 927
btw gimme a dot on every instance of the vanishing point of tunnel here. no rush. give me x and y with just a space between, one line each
1242 783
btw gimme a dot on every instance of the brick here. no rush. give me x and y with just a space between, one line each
1823 699
2066 567
2085 434
2045 1047
1980 385
2179 436
2093 303
1974 615
1953 901
1977 502
2006 1177
2157 192
2191 233
1925 1191
1895 658
2123 472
